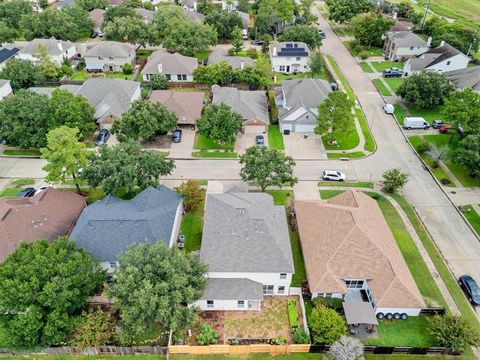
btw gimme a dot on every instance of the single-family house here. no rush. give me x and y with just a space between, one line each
107 56
7 54
57 50
190 5
108 226
47 215
175 67
246 245
194 15
236 62
96 15
290 57
146 15
351 254
229 5
465 78
5 89
402 45
297 101
252 105
442 58
186 105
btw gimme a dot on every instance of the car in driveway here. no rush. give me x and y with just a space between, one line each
470 288
102 137
93 34
392 72
333 175
322 34
177 136
437 124
260 141
444 129
25 193
257 42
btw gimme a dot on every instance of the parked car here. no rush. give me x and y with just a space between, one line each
177 135
260 141
322 34
41 188
471 289
392 72
415 123
244 34
258 42
102 137
28 192
333 175
93 34
388 108
444 129
101 34
437 124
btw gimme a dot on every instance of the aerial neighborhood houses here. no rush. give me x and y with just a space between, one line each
186 105
290 57
109 56
175 67
57 50
402 45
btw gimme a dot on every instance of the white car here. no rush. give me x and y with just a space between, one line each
41 188
333 175
388 108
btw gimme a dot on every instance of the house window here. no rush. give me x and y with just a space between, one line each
448 63
241 304
327 295
179 77
298 58
354 284
281 290
210 304
282 67
411 47
100 58
283 276
168 76
184 77
267 289
113 265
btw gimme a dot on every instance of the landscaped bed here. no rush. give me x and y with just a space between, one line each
346 155
22 152
215 154
361 184
192 227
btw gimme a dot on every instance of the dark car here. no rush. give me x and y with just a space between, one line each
260 140
93 34
471 289
437 124
102 137
258 42
393 72
322 34
444 129
28 192
177 135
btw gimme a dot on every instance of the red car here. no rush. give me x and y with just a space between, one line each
444 128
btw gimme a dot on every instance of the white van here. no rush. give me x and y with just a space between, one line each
415 123
388 108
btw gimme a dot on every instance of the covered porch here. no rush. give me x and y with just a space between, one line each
361 319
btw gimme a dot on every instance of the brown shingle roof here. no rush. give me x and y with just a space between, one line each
347 237
48 215
187 105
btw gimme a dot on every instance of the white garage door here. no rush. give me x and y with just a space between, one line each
305 128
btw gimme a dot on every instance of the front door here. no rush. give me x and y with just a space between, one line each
288 68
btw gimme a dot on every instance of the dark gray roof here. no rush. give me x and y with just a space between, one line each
146 15
232 289
235 62
406 39
54 46
193 15
245 232
434 56
465 78
307 92
107 227
6 54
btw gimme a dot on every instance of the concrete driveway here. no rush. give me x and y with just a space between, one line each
304 148
184 148
246 140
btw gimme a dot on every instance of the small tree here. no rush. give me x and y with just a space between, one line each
95 328
22 74
347 348
220 123
316 62
267 167
468 154
426 90
192 194
237 40
304 33
342 11
368 28
393 180
207 335
65 155
334 114
463 107
127 69
437 154
453 332
158 82
326 325
50 69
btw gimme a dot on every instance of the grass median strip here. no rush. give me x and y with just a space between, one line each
369 142
360 184
366 67
350 155
21 152
215 154
472 216
381 87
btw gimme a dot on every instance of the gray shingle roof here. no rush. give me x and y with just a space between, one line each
308 92
171 63
54 46
434 56
232 289
252 105
194 16
406 39
245 232
107 227
146 15
235 62
465 78
112 49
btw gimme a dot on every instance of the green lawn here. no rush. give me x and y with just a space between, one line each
283 197
419 270
410 332
328 194
215 154
360 184
279 77
366 67
472 216
428 114
79 75
119 75
367 134
342 78
350 155
10 192
143 54
275 138
356 50
394 83
384 65
202 55
381 87
273 105
21 152
192 226
204 143
399 113
22 182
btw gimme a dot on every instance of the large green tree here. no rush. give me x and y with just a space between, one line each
65 155
121 10
189 37
463 108
425 90
124 167
264 23
334 114
468 154
7 33
11 12
304 33
369 28
50 69
219 73
267 167
143 121
342 11
220 123
24 119
22 74
455 34
131 29
155 286
454 332
316 62
326 325
43 289
224 22
165 14
89 5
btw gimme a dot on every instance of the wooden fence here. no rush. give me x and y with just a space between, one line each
238 349
101 350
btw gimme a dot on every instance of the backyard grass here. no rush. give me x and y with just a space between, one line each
399 113
328 194
275 138
118 75
94 194
201 55
384 65
367 134
359 184
394 83
419 270
79 75
143 54
191 227
366 67
22 152
381 87
356 50
273 106
472 216
204 143
10 192
215 154
410 332
350 155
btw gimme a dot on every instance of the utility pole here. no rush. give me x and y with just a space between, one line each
425 16
474 40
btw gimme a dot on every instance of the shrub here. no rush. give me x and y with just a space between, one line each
326 325
424 147
252 53
95 328
279 340
454 332
363 55
159 82
127 69
300 337
331 303
293 313
207 335
393 180
231 51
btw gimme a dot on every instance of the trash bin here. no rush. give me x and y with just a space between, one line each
286 132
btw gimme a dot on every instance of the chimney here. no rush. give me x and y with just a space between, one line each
242 64
274 49
442 43
160 68
429 41
59 45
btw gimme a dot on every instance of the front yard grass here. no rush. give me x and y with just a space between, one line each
204 143
192 227
10 192
346 155
472 216
366 67
394 83
357 49
328 194
384 65
215 154
275 138
399 113
428 114
23 182
21 152
381 87
360 184
367 134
